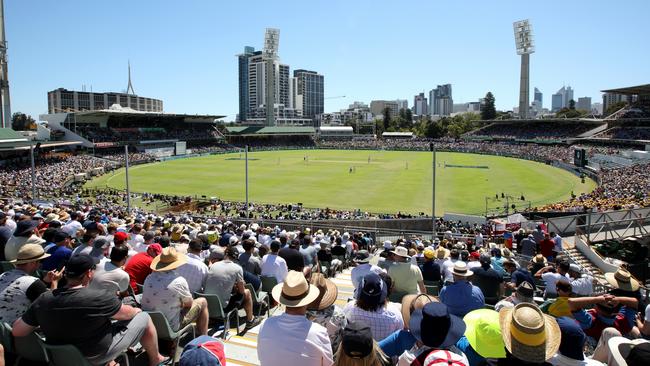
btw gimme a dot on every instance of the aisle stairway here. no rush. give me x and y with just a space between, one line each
242 350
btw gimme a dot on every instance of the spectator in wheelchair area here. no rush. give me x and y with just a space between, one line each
83 317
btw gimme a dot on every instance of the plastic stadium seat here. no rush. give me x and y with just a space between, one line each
215 309
260 300
433 287
6 338
31 347
268 282
166 333
6 266
67 354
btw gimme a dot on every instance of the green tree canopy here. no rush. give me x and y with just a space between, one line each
488 110
22 122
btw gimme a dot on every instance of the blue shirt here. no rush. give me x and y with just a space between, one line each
520 275
461 298
58 256
474 358
397 342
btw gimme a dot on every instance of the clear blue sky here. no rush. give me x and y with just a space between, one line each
183 52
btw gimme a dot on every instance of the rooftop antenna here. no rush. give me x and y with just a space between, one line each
130 86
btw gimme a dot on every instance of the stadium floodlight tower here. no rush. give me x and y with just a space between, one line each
5 114
271 42
525 46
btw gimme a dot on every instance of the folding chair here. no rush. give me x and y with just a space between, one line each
433 287
166 333
215 309
397 296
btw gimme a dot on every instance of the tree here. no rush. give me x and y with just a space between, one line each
387 117
572 104
488 111
22 122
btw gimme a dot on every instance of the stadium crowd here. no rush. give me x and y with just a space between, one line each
536 130
626 133
95 277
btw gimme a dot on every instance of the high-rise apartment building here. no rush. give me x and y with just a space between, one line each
539 97
584 103
311 92
441 102
252 85
402 104
420 105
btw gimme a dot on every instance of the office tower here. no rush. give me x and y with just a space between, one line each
584 103
441 102
420 105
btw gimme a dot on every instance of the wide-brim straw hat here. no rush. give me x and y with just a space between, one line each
412 302
295 292
529 334
30 253
539 258
51 217
401 252
622 279
327 292
461 270
620 347
168 259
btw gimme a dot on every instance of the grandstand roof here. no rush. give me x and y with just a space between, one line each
25 145
631 90
263 130
9 135
191 118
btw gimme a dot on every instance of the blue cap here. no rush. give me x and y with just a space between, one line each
372 289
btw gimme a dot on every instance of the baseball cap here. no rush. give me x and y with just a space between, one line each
78 265
429 253
156 248
60 236
574 268
485 258
475 255
357 340
120 236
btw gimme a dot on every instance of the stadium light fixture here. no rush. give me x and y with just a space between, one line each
525 46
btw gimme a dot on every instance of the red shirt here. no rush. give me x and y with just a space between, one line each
138 269
546 247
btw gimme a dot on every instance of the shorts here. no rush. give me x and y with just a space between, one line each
125 334
236 302
191 315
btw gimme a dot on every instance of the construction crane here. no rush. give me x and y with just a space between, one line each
336 97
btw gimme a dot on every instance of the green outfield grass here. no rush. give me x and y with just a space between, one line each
389 182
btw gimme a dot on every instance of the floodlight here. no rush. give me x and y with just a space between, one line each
523 37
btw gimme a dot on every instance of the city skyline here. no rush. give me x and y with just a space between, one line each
184 55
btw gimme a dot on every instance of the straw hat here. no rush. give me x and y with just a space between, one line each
622 279
167 260
295 292
412 302
539 258
51 217
30 253
460 269
621 347
401 252
529 334
328 292
483 333
441 253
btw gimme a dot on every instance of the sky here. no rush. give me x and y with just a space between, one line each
184 52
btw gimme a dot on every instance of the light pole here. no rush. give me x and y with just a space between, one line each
433 189
31 154
525 46
246 167
126 169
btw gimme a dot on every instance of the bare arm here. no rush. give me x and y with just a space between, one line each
126 312
423 289
21 329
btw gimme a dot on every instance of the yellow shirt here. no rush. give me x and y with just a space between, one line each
560 307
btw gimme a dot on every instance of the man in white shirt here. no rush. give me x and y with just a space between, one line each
274 265
362 259
139 246
551 278
557 239
72 226
165 291
195 271
110 276
448 266
290 338
581 284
